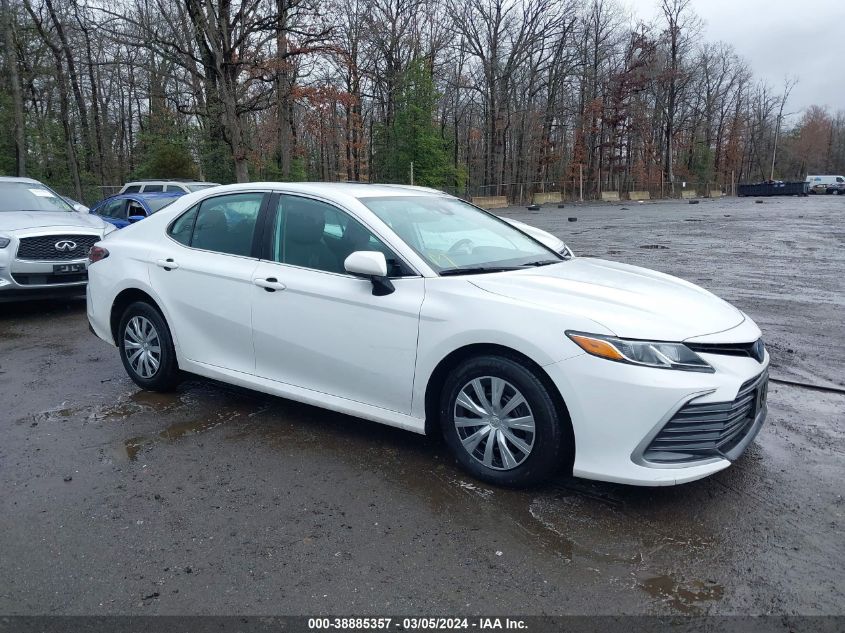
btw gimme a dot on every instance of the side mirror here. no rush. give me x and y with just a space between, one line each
135 218
370 264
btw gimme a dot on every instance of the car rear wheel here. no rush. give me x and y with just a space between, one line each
146 348
502 424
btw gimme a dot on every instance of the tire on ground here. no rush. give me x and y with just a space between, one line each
167 376
552 447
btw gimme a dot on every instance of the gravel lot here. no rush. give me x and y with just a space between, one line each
216 500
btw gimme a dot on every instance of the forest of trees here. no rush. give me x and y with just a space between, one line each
497 97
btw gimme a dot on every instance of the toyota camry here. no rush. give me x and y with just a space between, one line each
415 309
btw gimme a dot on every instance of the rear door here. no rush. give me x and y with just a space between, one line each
203 271
320 328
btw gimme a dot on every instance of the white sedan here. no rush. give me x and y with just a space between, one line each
415 309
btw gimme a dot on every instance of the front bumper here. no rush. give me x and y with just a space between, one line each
25 278
617 410
29 279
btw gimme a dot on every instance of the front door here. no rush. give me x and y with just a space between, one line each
316 326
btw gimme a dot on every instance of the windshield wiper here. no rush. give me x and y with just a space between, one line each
477 270
544 262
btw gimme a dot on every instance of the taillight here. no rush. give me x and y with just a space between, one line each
96 254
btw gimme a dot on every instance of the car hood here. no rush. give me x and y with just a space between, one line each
631 302
545 238
18 220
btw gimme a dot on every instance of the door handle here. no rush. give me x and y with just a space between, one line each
167 264
271 284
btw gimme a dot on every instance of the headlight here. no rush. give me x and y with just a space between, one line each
4 242
645 353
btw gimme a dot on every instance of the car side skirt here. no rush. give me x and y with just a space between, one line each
306 396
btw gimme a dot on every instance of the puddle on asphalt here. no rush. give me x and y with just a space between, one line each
59 413
135 445
685 598
134 403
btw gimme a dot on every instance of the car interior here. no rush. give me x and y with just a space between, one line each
312 234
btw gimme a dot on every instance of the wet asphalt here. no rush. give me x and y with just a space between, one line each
217 500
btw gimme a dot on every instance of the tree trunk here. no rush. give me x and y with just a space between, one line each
15 81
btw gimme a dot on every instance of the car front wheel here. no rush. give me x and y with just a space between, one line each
146 348
502 424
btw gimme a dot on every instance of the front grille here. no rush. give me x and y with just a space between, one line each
47 279
700 431
755 349
43 247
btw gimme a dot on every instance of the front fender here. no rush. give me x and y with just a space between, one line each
456 314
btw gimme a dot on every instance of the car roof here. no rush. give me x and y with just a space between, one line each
150 195
141 197
30 181
351 189
179 181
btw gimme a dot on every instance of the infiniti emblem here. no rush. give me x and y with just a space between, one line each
65 245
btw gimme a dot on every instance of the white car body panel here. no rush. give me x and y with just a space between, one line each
208 298
336 337
632 302
326 340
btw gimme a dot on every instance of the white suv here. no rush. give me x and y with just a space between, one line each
151 186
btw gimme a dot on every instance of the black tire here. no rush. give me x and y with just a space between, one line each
166 375
552 446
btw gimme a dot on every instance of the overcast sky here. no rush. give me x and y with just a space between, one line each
779 38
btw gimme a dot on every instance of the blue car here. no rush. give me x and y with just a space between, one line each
127 208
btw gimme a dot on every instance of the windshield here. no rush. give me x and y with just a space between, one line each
157 204
454 237
30 196
204 185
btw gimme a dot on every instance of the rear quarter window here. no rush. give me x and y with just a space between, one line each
183 227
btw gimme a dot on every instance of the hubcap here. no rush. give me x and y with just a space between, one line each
142 347
494 423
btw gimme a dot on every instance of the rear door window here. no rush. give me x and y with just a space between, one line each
226 224
114 209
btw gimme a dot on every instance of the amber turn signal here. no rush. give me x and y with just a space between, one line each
596 347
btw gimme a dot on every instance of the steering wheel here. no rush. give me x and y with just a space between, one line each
465 244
